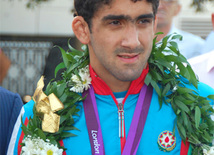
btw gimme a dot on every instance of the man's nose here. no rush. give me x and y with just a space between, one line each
131 37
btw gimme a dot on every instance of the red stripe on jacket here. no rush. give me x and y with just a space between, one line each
184 148
22 137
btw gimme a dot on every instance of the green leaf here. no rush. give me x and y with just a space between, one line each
63 97
156 87
41 134
181 105
192 78
174 46
177 36
166 89
67 134
197 116
71 128
61 89
207 137
164 42
148 79
183 90
58 67
182 69
211 97
156 75
174 49
185 118
65 59
25 129
181 130
71 48
158 33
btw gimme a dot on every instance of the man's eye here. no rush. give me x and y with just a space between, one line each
115 22
144 21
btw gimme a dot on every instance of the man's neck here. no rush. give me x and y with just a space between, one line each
114 84
104 86
165 29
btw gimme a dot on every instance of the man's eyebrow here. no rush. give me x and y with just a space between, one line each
116 17
128 18
151 15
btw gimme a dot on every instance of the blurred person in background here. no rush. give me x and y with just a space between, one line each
10 107
191 45
209 44
4 65
203 65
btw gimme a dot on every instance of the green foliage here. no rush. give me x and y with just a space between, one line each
33 3
72 61
170 75
199 4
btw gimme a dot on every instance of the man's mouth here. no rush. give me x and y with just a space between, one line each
128 58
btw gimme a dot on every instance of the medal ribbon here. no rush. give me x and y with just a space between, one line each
136 128
93 122
138 121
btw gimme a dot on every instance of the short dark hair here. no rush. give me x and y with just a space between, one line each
87 8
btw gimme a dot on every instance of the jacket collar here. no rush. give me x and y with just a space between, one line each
101 88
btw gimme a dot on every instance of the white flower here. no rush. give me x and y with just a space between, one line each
75 79
82 82
86 80
77 88
210 152
37 146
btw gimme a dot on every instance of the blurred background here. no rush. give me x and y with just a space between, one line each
29 29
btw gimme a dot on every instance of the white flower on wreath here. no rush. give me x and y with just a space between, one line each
37 146
210 152
81 84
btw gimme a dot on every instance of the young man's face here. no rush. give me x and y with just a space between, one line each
121 39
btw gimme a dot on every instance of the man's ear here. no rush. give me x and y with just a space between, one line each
81 29
177 9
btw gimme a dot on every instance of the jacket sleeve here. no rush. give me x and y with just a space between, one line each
10 107
17 136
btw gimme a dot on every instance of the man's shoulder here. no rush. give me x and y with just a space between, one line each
202 89
189 36
6 92
201 58
205 90
9 97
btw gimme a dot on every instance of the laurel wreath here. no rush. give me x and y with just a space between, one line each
170 74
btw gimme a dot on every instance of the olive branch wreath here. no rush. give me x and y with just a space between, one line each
170 74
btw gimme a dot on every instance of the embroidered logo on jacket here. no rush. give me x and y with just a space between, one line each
166 141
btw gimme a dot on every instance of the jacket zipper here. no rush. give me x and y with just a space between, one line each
121 119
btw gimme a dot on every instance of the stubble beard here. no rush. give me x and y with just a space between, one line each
129 72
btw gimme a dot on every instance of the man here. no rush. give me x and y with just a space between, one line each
4 65
10 107
191 45
209 40
203 65
119 35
